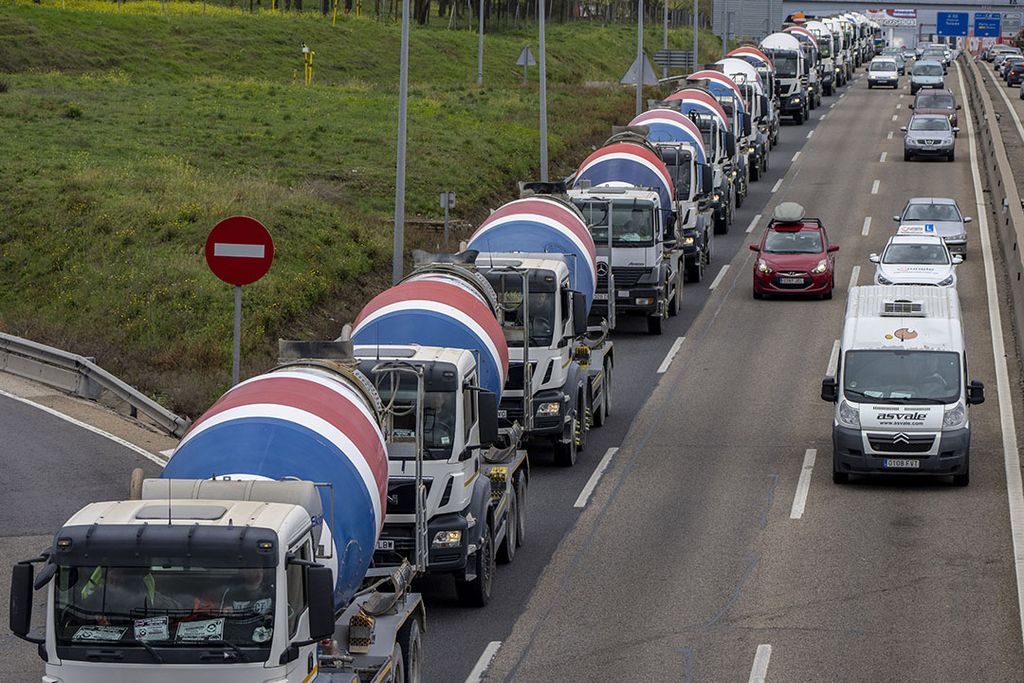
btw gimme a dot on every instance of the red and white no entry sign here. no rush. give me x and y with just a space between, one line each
239 250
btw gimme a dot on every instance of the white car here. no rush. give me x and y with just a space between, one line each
883 71
915 257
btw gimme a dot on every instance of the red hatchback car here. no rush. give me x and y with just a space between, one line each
794 256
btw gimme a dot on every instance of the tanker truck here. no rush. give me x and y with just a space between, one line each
626 196
540 258
766 71
249 558
445 320
787 54
730 98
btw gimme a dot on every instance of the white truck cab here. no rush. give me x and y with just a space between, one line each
900 388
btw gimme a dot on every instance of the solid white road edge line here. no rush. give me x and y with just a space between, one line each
718 278
584 496
88 427
867 226
1013 112
485 661
1011 456
881 159
777 185
833 360
796 156
670 355
759 670
803 484
753 223
854 276
874 187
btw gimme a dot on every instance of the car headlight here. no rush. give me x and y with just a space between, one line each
549 408
955 417
451 538
882 280
946 282
688 240
763 267
947 141
959 237
820 268
848 415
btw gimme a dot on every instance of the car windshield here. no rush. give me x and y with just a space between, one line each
927 70
931 212
785 67
883 66
934 102
164 606
927 254
792 242
632 222
897 376
930 123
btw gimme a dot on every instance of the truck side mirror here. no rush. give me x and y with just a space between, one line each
829 390
707 178
975 396
21 601
579 314
320 601
730 144
487 416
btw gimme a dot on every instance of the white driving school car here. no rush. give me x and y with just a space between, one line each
915 256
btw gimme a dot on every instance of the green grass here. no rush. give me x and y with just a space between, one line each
128 134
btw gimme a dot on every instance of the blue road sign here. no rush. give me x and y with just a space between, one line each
952 23
986 24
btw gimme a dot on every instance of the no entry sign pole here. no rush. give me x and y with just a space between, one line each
239 251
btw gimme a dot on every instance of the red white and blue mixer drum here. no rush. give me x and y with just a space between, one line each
628 164
542 225
669 125
437 309
307 423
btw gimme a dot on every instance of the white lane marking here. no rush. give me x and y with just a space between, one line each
889 136
1013 112
882 158
899 106
239 250
718 278
663 368
842 96
809 134
1011 456
584 496
901 96
759 670
777 185
894 117
796 156
833 360
832 106
874 187
823 117
88 427
867 225
803 485
753 222
477 673
854 276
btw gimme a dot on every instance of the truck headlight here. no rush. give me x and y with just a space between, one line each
848 415
946 282
955 417
688 241
716 197
820 268
795 100
763 267
549 408
452 538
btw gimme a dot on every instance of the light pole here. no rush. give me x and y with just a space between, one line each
398 256
480 48
695 30
639 56
543 96
664 42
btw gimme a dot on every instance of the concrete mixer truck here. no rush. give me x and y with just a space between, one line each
249 559
446 321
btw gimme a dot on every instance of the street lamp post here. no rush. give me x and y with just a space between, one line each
543 96
398 256
480 48
695 30
664 42
639 56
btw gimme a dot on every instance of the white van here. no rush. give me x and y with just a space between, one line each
883 71
900 386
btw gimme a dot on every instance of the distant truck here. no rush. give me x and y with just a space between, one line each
900 390
791 68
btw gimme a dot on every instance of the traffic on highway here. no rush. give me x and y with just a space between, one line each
707 408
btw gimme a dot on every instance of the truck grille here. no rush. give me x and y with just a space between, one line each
901 443
624 277
402 495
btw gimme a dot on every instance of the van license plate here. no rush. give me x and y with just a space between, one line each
383 544
902 463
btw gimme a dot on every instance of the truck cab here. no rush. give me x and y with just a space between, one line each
716 143
826 53
791 69
900 388
694 212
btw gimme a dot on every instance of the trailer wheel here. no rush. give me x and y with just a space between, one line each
507 551
521 485
397 664
410 639
477 593
135 484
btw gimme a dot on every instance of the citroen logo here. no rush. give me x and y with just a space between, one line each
900 437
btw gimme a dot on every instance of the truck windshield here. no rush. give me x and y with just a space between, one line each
632 222
785 65
438 417
164 606
896 376
825 49
542 314
678 163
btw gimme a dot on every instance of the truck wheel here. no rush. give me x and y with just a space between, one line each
798 118
410 639
397 664
676 302
695 270
507 550
477 593
601 416
755 172
583 406
521 486
964 478
135 484
654 324
565 453
740 196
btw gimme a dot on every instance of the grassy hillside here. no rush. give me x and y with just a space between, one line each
128 134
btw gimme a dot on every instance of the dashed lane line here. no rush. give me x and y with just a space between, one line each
718 278
803 484
477 674
588 490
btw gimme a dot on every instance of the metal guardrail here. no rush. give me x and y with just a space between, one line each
80 376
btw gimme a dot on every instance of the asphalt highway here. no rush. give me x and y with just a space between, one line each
690 561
